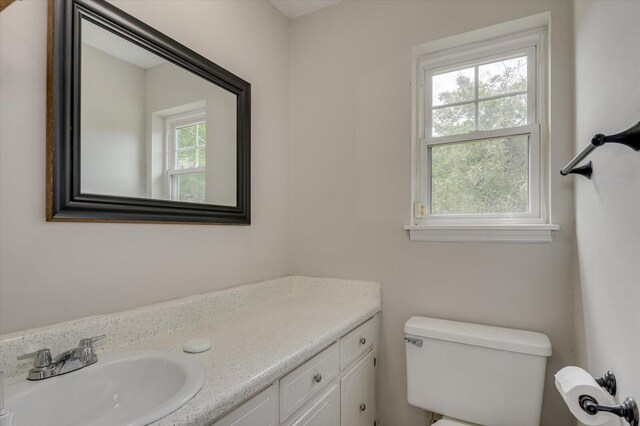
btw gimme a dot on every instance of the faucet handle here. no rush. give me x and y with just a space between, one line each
42 358
88 342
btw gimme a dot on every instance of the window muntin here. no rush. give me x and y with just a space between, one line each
476 105
186 148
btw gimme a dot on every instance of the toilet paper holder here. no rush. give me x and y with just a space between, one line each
608 382
628 409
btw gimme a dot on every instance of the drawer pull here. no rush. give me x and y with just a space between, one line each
363 407
317 378
363 340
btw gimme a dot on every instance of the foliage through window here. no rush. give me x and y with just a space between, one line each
187 136
484 97
479 134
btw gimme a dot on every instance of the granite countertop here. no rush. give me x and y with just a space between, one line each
259 332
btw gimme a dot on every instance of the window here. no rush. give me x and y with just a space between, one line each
186 143
479 159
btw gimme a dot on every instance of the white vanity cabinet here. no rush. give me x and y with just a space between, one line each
336 387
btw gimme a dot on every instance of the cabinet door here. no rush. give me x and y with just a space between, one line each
261 410
357 394
325 412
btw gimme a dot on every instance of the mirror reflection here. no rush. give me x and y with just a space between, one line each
151 129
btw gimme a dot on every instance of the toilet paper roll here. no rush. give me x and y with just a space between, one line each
573 382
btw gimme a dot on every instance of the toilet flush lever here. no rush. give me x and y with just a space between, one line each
414 341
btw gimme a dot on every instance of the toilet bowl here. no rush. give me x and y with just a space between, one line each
475 374
446 421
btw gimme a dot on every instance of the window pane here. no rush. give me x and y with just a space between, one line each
454 86
201 157
186 158
190 187
503 77
202 134
480 177
185 137
502 113
454 120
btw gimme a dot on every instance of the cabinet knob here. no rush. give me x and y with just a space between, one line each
317 378
363 340
363 407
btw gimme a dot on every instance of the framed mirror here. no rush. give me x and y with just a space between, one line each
140 127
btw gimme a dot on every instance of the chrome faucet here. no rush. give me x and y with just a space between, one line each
71 360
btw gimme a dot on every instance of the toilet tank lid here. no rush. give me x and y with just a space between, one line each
507 339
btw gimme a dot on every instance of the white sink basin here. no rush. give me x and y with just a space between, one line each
126 388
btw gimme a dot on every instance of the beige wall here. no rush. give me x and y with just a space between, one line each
113 120
607 38
345 175
350 184
51 272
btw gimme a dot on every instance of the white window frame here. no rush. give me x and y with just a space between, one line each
532 226
171 124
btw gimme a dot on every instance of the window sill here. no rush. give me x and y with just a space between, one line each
482 233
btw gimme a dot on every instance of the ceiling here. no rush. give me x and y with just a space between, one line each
293 9
117 46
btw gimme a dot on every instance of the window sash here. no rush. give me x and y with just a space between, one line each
533 132
174 150
427 85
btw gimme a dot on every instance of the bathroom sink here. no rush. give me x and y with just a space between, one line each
126 388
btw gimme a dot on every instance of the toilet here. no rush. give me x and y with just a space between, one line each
475 374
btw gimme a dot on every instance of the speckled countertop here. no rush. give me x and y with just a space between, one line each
253 344
252 349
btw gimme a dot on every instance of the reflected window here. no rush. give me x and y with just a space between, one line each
186 142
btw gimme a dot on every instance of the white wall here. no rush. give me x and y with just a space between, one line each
607 38
350 184
112 125
51 272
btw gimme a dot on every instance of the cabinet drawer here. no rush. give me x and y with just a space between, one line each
356 343
304 382
261 410
323 412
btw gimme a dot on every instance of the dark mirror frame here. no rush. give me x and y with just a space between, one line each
65 202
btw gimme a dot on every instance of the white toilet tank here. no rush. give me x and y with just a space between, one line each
487 375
